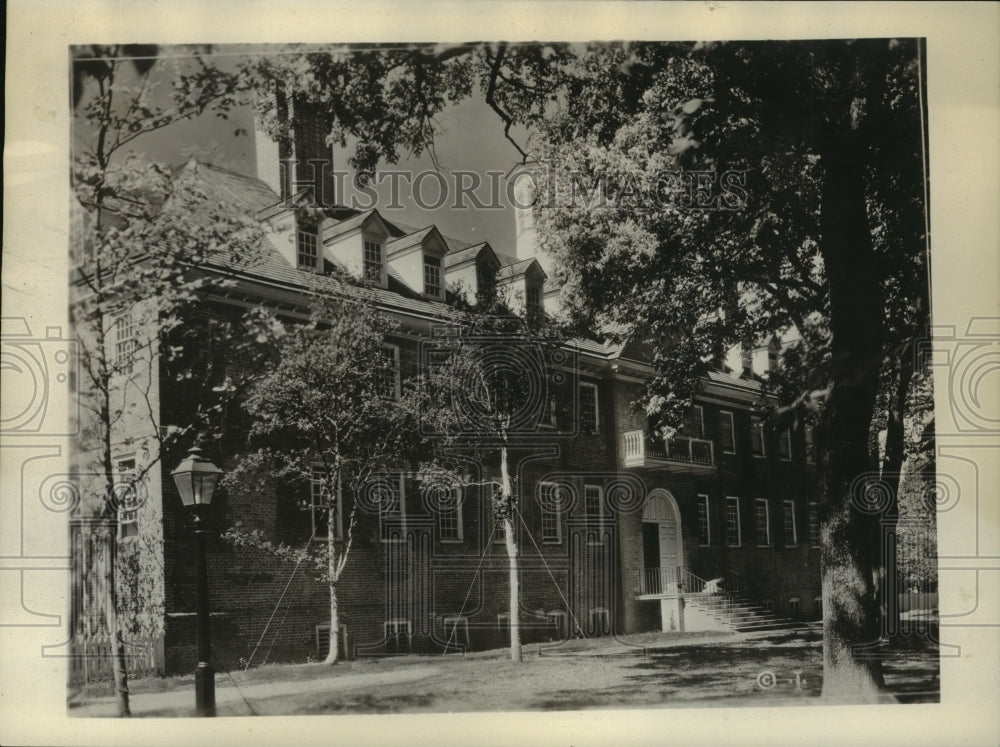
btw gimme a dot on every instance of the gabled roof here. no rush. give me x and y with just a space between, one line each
401 244
361 220
470 254
521 268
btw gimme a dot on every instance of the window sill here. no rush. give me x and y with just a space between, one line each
552 541
455 541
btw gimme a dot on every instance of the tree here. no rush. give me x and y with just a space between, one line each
484 390
326 413
810 233
132 255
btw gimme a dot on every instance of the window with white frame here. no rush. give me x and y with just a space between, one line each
762 522
373 261
392 509
788 520
126 342
813 526
319 504
704 524
390 385
127 497
734 536
307 249
694 422
727 432
551 418
589 417
551 516
593 506
432 276
785 444
450 516
810 445
757 437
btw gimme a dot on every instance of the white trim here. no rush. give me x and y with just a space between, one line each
597 407
739 522
397 377
600 515
701 420
557 540
732 423
459 499
126 488
788 434
767 521
795 527
704 501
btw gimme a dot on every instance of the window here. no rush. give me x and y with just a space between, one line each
548 499
551 418
694 422
125 341
390 384
733 534
392 509
450 516
589 420
534 299
704 528
127 497
791 533
373 261
810 445
593 506
813 526
307 253
727 432
785 444
319 504
757 437
762 522
432 276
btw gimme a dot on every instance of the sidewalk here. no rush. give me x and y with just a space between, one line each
230 700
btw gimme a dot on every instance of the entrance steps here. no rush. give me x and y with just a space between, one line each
739 615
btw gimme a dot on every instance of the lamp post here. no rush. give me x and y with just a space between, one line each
196 478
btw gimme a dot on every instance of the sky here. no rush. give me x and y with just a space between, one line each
471 139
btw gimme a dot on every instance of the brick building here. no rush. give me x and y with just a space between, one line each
619 531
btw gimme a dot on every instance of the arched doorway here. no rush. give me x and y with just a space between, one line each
662 551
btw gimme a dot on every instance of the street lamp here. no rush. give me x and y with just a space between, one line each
196 478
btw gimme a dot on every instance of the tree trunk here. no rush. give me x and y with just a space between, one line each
507 501
850 528
331 567
111 614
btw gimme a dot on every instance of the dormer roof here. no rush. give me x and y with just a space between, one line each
361 220
418 238
482 251
521 269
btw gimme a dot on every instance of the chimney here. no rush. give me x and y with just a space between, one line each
307 159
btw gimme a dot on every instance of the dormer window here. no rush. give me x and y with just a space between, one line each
432 276
307 250
373 261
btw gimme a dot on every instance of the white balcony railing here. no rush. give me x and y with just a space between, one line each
641 450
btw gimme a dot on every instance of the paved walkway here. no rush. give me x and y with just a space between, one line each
230 700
